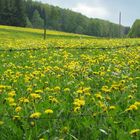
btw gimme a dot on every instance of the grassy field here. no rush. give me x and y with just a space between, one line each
68 87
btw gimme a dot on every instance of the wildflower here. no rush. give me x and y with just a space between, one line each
112 107
79 102
10 99
35 96
2 87
29 89
41 139
49 111
57 89
65 130
76 109
132 107
134 132
35 115
130 97
1 123
12 94
12 104
137 103
106 89
18 109
53 99
23 100
16 117
80 91
99 96
66 90
32 123
39 91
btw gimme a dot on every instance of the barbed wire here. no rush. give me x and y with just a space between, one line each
69 116
69 48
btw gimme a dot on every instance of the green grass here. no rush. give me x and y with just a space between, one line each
25 33
93 93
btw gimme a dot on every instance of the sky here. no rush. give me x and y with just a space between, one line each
104 9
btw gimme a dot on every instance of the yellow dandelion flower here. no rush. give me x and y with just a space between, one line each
133 107
137 103
76 109
18 109
130 97
79 102
16 117
35 96
134 132
35 115
57 89
49 111
1 123
112 107
99 96
39 91
23 100
66 90
12 94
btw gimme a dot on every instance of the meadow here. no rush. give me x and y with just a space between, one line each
68 87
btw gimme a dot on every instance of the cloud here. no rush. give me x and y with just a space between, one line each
91 11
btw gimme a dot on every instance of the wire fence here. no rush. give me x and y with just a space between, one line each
91 115
69 48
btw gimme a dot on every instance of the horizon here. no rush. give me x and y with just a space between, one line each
101 9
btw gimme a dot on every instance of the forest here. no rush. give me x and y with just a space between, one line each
28 13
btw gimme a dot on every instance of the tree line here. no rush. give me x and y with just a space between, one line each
28 13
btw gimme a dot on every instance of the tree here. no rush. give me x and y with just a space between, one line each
79 30
135 30
20 13
28 23
37 21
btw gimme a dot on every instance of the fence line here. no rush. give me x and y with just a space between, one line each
69 48
69 116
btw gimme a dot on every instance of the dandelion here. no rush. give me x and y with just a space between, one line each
1 123
79 102
134 132
57 89
23 100
76 109
137 103
18 109
112 107
38 91
49 111
12 94
35 96
132 107
16 117
99 96
66 90
35 115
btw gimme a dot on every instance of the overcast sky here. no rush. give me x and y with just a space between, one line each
105 9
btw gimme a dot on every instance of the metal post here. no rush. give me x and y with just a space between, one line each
120 20
45 21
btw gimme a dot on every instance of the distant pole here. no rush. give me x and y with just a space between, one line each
45 21
120 20
44 32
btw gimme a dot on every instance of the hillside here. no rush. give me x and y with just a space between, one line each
30 33
24 38
28 13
